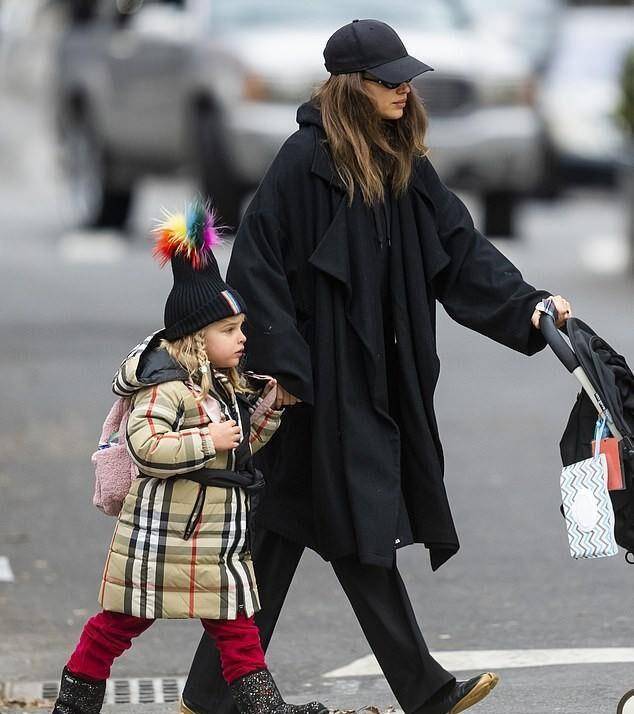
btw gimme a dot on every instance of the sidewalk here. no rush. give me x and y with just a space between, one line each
587 689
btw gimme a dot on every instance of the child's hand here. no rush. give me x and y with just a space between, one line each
269 393
226 435
268 397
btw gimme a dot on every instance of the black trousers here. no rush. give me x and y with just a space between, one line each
380 602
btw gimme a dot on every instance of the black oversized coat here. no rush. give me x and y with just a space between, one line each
342 476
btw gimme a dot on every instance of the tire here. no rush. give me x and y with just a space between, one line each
216 177
499 214
92 201
551 185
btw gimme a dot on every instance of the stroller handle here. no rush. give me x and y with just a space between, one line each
569 360
554 338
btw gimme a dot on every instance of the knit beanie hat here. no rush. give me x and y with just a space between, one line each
199 295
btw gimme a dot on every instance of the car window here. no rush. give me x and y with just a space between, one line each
426 15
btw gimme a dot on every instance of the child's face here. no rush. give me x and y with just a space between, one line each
224 341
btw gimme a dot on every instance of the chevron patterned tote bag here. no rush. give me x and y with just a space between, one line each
588 508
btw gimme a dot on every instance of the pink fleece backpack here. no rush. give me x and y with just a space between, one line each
114 469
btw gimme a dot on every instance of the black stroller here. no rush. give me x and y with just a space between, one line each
608 388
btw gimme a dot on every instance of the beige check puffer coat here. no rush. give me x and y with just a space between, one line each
151 570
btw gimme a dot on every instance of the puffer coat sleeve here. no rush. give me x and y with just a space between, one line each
264 423
153 439
480 288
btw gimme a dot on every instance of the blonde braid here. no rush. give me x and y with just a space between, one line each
189 352
204 366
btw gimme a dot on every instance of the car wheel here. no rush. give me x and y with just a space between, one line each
499 213
551 184
217 180
92 201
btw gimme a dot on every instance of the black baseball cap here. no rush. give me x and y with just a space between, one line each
373 46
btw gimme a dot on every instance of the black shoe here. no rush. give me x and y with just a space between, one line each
462 696
186 708
78 696
257 693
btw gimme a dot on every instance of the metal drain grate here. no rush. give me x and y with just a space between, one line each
156 690
50 690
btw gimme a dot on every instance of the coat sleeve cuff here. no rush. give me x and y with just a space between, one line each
209 450
535 341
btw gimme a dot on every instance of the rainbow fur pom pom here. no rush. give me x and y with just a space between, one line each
191 235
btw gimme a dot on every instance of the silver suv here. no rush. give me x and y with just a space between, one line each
158 85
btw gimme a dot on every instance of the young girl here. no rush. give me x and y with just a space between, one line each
181 544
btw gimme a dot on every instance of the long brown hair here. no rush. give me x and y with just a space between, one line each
367 150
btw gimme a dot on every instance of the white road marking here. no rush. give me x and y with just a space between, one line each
6 574
499 659
93 247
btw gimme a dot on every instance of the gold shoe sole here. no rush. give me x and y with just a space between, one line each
185 709
486 683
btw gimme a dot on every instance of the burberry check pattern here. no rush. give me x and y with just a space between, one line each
151 571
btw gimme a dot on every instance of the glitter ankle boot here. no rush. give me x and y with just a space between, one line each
257 693
78 696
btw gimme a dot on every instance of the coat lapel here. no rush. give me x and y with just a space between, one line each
322 165
331 255
435 257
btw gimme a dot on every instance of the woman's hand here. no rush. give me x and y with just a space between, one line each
225 435
564 311
284 399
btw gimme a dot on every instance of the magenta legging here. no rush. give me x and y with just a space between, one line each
109 634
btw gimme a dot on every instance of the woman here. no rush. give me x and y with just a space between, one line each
348 243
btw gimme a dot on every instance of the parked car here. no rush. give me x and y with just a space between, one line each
216 85
579 95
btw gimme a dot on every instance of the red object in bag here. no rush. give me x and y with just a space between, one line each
611 447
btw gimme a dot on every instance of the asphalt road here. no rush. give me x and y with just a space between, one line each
73 305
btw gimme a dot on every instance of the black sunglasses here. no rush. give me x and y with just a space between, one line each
383 83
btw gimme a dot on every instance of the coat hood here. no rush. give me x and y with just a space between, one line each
147 365
309 114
